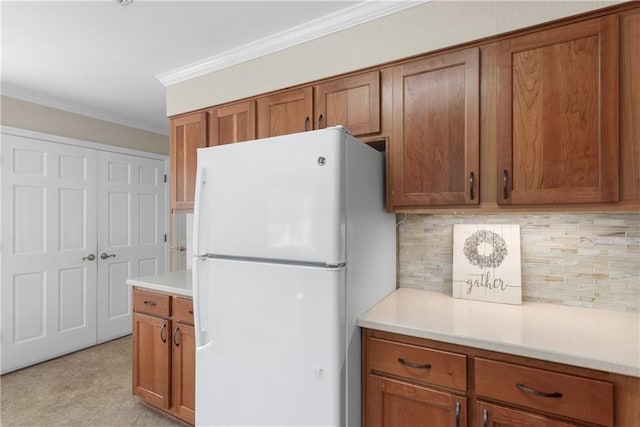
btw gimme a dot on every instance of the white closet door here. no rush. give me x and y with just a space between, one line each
131 224
48 237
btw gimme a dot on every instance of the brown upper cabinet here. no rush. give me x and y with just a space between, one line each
434 151
232 123
549 112
285 112
188 133
630 107
352 102
557 134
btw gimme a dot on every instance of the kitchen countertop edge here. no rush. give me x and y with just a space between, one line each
384 317
174 282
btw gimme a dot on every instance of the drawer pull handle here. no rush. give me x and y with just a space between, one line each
526 389
191 312
414 365
150 303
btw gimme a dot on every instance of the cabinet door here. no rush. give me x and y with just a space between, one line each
393 403
188 133
352 102
184 372
558 115
629 104
501 416
151 359
435 146
233 123
285 113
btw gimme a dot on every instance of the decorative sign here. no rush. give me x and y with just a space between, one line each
486 263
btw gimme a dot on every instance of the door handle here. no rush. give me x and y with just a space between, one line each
162 337
89 257
175 332
471 179
105 255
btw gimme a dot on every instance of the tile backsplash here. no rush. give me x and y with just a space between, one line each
579 259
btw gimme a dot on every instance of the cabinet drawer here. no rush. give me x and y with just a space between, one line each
552 392
183 310
418 363
151 303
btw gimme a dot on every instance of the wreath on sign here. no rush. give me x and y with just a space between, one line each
495 258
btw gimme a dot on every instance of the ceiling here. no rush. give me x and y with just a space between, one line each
105 60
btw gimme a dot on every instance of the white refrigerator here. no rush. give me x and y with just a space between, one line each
291 244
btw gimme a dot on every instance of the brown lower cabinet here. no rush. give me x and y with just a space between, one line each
409 381
163 370
503 416
398 403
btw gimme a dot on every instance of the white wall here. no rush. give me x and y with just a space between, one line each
25 115
423 28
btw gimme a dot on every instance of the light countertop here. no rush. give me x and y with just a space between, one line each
597 339
175 282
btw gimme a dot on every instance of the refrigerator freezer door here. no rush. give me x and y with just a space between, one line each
277 198
273 349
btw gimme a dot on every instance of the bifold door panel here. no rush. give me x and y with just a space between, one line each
59 274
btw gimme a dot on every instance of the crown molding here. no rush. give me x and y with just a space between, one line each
82 110
42 136
357 14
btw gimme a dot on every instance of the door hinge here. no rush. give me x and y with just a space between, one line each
165 177
165 238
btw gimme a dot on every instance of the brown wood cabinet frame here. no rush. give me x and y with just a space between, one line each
629 133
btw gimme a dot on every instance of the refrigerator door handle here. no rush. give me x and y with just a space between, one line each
198 305
201 179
